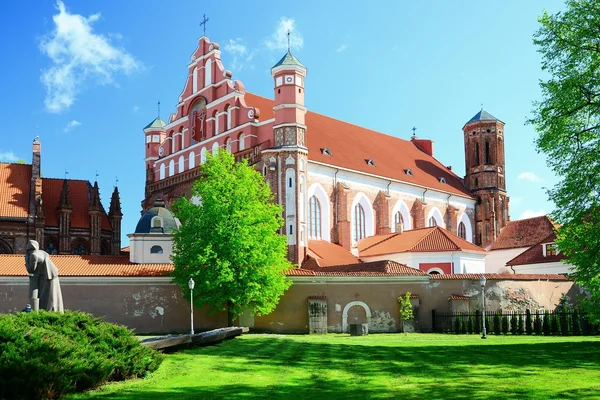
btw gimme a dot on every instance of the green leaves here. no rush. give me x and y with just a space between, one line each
568 122
229 243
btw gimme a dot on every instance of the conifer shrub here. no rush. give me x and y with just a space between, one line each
504 324
554 324
464 326
514 328
458 324
470 324
497 323
521 328
477 328
564 322
576 322
537 323
528 327
488 324
47 355
546 324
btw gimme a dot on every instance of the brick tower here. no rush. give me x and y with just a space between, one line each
287 160
485 175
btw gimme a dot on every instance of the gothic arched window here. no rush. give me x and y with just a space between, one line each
359 231
5 247
462 231
488 159
432 222
51 247
476 153
314 221
399 222
79 250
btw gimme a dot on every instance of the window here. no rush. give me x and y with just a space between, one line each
242 145
550 249
156 250
488 159
192 160
215 148
326 151
433 273
162 171
203 155
476 153
399 222
359 231
157 222
79 250
370 162
314 215
51 248
148 138
171 168
432 222
228 145
442 179
408 172
181 164
462 231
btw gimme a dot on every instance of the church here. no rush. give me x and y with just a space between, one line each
337 182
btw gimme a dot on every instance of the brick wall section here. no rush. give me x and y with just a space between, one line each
382 214
344 235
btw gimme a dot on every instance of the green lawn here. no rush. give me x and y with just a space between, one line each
417 366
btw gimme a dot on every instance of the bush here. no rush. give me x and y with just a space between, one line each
521 328
564 322
514 328
477 327
537 323
488 324
470 324
528 327
458 324
497 323
546 323
504 324
576 322
554 325
46 355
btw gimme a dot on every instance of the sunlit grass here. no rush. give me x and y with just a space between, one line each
417 366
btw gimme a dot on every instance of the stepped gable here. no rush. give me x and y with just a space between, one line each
535 254
524 233
350 145
432 239
14 190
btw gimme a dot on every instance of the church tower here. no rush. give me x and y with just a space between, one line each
485 175
154 134
287 160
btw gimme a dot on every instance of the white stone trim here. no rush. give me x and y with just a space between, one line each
317 190
364 201
437 215
405 212
288 105
464 218
350 305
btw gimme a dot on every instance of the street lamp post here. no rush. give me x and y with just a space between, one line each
482 280
191 284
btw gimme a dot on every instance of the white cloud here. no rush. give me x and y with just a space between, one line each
341 48
531 213
8 156
529 176
79 55
240 52
279 38
72 125
136 109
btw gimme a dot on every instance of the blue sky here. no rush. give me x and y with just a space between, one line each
87 76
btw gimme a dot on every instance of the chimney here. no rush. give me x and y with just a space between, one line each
425 145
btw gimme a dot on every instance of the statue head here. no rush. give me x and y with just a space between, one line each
32 245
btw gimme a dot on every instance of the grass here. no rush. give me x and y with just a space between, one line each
417 366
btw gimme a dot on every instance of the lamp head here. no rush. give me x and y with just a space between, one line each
191 284
482 280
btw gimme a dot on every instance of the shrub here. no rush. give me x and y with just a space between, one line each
554 325
521 328
528 327
488 324
576 322
564 322
537 323
458 324
497 323
514 324
546 323
504 324
46 355
477 327
470 324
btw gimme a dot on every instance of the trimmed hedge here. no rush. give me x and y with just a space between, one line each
47 355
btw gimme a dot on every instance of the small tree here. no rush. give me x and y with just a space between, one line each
458 324
546 323
497 323
470 324
504 324
528 327
576 322
488 323
521 328
554 325
537 323
406 309
229 243
514 328
477 327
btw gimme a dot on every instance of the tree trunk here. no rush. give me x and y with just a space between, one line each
229 314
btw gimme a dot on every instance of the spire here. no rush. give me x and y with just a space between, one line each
95 197
65 196
115 204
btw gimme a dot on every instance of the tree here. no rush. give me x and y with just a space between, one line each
568 122
406 309
229 242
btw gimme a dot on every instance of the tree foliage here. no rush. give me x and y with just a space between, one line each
568 122
229 243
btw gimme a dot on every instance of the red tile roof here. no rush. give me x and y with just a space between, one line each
15 180
13 265
80 201
523 233
374 268
350 145
459 297
326 254
535 254
432 239
501 277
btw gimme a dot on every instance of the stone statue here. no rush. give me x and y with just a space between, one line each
44 288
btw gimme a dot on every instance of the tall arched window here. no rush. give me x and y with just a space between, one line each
314 218
462 231
227 125
228 145
399 222
476 153
432 222
79 250
215 123
203 155
162 171
195 81
215 148
359 231
192 160
171 168
50 247
208 72
242 139
488 159
181 164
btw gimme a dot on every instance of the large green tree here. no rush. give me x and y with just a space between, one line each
568 122
229 242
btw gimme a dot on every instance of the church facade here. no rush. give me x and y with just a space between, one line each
337 182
